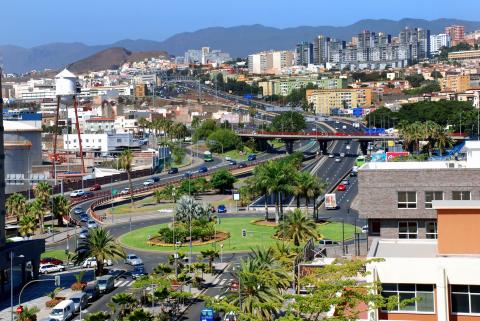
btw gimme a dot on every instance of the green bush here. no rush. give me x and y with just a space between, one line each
223 140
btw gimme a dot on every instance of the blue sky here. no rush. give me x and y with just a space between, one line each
33 22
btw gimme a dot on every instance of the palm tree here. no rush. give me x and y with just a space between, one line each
195 122
140 315
162 269
97 316
305 185
28 225
143 123
101 245
60 208
296 226
126 301
28 314
42 192
188 209
125 162
16 205
35 209
159 195
210 255
265 259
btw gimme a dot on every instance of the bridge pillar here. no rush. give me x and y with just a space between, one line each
288 145
323 146
364 146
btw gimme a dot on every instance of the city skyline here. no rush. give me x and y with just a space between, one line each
163 20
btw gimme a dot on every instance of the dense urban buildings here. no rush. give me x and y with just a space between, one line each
270 62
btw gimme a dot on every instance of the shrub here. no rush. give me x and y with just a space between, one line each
51 303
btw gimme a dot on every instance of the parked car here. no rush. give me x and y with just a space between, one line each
106 283
63 311
133 259
125 191
83 233
92 224
51 260
51 268
155 179
327 242
221 209
77 193
365 229
80 300
78 210
341 188
203 169
91 262
96 187
173 170
148 182
92 291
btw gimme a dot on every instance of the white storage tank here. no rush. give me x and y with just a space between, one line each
65 83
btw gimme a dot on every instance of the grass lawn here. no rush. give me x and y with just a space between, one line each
276 143
141 206
58 254
257 235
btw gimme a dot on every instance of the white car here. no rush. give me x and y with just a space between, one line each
148 182
338 160
77 193
342 154
50 268
92 224
228 158
125 191
91 262
83 233
331 156
365 229
133 259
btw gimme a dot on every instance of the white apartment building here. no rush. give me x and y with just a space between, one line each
35 90
270 62
104 142
439 41
125 124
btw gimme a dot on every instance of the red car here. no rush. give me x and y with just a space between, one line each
96 187
341 187
51 260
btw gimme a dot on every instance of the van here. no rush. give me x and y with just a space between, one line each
63 310
106 283
92 291
80 300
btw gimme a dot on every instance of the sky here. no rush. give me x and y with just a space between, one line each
29 23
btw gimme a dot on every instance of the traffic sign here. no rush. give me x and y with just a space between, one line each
20 309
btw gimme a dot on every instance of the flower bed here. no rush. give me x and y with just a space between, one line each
220 236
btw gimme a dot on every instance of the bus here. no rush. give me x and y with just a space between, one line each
360 161
207 156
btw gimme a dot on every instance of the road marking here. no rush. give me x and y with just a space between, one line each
119 284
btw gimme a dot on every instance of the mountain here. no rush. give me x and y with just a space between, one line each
111 58
239 41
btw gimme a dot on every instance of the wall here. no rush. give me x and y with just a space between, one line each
458 231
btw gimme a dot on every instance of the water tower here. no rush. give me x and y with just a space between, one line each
66 87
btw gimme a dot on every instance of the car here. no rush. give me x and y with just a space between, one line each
242 165
125 191
325 242
50 268
63 311
337 122
88 194
106 283
51 260
338 160
155 179
353 174
92 224
80 300
342 154
221 208
148 182
203 169
96 187
341 188
91 262
365 229
84 217
232 162
173 170
228 158
345 182
77 193
187 175
252 157
331 155
138 271
83 233
78 210
133 259
92 291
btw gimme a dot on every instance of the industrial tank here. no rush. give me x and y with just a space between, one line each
65 83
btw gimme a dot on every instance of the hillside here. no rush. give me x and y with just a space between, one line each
111 58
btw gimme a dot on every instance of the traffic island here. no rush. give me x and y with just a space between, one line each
219 237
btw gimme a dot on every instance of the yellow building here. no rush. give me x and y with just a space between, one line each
456 83
324 100
140 90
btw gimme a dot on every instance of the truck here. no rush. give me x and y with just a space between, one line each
331 201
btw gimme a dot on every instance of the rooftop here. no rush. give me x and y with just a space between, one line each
402 248
451 204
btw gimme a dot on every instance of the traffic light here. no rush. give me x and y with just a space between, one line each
20 309
244 232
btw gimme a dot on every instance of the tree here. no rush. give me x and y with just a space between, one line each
125 162
101 245
223 140
306 185
28 314
204 130
140 315
126 301
296 226
159 195
290 121
97 316
35 210
28 225
222 180
188 209
16 205
42 192
209 255
415 80
60 208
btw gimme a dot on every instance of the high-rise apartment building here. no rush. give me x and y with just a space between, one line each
439 41
320 49
455 82
270 62
324 100
304 53
456 33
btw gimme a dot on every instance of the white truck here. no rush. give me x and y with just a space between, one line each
331 201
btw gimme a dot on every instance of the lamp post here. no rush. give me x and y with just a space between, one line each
12 256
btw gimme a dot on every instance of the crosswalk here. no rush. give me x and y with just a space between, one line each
123 283
219 283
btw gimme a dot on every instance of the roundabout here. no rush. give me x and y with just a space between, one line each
256 235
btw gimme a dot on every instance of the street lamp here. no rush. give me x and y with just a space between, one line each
12 256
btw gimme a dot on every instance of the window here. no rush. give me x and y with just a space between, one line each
407 230
465 298
374 227
407 199
423 293
431 229
119 140
432 196
461 195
